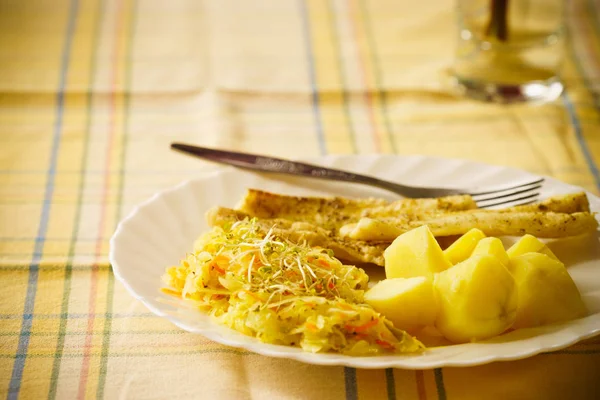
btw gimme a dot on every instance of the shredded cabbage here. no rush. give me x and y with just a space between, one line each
284 293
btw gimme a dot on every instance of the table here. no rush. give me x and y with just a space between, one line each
93 91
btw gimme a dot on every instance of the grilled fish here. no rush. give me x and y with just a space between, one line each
350 250
332 213
566 203
492 223
359 230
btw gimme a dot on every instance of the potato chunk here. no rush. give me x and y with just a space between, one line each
463 247
477 299
547 293
414 253
492 246
529 244
410 303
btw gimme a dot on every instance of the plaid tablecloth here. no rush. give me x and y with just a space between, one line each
93 91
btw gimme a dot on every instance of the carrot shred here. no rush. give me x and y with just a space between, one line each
363 327
311 326
219 262
170 292
219 270
383 343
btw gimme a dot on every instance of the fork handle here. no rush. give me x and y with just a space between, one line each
277 165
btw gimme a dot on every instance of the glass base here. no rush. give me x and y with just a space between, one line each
536 91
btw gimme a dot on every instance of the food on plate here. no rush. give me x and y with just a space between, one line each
477 299
371 229
529 244
333 212
547 293
450 213
325 212
410 303
566 203
492 246
414 253
419 207
483 295
371 251
462 248
351 251
282 292
271 269
491 222
358 230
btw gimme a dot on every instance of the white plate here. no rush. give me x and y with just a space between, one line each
159 232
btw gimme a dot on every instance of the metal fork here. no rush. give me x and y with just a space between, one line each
523 193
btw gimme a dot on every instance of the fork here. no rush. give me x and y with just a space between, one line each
524 193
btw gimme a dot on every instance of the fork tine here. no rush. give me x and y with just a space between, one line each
494 197
536 182
519 201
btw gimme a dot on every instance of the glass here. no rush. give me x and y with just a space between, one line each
510 50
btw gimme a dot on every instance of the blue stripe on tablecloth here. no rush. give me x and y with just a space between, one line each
378 74
21 355
390 383
312 75
584 59
581 139
593 11
580 66
350 382
62 328
335 39
439 383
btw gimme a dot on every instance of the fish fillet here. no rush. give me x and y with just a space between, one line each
492 223
566 203
359 230
349 250
332 213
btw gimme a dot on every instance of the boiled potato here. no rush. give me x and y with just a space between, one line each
414 253
529 244
547 293
409 303
477 299
463 247
492 246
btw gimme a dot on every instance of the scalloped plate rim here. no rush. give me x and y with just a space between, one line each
279 351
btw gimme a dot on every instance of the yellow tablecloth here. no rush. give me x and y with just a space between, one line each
93 91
